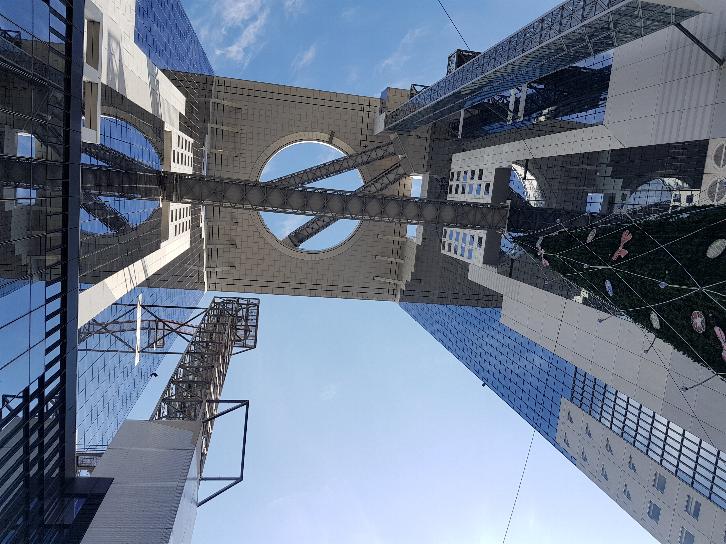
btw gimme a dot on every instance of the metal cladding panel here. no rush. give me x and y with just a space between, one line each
155 478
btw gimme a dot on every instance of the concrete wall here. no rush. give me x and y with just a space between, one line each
606 454
614 351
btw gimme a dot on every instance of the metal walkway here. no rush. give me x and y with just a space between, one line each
573 31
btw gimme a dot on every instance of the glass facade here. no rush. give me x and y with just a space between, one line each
533 381
526 376
117 232
39 43
165 35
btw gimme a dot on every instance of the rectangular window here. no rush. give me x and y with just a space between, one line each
481 174
464 177
478 188
686 537
693 507
626 492
451 176
458 176
659 482
451 188
456 236
470 253
480 241
653 511
486 188
456 189
471 188
93 41
471 175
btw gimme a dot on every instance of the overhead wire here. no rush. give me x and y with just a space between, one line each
519 487
453 23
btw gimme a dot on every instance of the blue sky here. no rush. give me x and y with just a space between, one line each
362 428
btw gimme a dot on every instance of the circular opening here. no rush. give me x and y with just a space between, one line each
299 156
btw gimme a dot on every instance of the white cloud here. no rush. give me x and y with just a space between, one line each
403 52
240 49
232 28
293 7
304 58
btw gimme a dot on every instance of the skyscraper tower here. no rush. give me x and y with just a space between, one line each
569 247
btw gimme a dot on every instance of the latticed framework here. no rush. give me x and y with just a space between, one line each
664 271
228 327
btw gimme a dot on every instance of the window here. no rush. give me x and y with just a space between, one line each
456 189
565 440
471 188
587 430
451 235
689 200
569 416
470 253
471 239
486 188
676 197
472 174
451 176
445 231
451 188
449 247
693 507
480 241
584 455
608 447
653 511
465 176
659 482
481 174
478 188
686 537
604 473
626 492
93 39
458 176
456 236
631 465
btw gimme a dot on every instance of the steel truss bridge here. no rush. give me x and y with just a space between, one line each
193 393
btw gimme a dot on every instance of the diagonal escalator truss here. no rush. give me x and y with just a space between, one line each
334 167
316 225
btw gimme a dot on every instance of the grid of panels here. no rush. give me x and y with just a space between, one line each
164 33
526 376
533 382
694 461
38 260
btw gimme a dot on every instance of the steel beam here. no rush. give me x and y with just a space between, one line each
189 189
318 224
107 215
571 32
335 167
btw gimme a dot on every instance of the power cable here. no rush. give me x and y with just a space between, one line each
453 23
519 487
